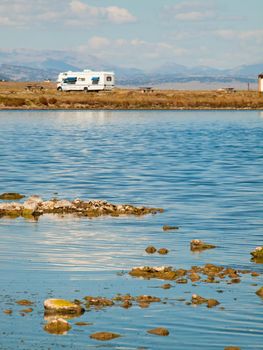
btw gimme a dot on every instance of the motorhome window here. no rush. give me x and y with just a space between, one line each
109 79
95 80
70 80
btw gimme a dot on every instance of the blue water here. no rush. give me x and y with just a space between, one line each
204 168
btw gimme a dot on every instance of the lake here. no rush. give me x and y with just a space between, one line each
205 168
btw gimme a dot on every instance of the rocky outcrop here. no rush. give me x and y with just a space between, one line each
257 255
208 273
198 245
36 206
62 307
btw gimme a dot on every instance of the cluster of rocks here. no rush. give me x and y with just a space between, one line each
198 300
36 206
55 309
209 273
152 250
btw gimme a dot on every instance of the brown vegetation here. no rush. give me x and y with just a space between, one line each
15 95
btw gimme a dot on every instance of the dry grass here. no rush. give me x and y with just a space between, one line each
16 96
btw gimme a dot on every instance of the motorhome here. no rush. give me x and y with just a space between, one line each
85 81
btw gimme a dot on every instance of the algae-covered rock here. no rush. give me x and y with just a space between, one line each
104 336
198 245
159 331
58 326
11 196
62 306
150 250
259 292
168 228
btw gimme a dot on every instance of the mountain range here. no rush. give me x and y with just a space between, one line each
34 65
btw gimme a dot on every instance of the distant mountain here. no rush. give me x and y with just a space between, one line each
30 65
252 70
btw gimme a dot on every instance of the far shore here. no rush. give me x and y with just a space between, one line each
44 96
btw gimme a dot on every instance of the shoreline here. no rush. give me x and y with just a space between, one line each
44 96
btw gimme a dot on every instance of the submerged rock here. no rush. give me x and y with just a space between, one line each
168 228
8 312
159 331
198 245
232 348
24 302
11 196
61 306
58 326
104 336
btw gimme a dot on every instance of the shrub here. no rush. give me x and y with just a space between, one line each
42 100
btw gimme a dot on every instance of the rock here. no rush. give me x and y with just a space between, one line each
24 302
27 311
147 299
150 250
257 253
198 245
81 324
163 251
194 277
232 348
255 274
197 299
212 303
126 304
166 286
159 331
61 306
63 204
168 228
31 205
259 292
8 312
58 326
103 336
11 196
98 301
36 206
182 281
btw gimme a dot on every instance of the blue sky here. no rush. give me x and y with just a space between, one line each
139 33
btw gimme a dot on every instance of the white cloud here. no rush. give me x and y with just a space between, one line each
69 12
230 34
133 52
194 16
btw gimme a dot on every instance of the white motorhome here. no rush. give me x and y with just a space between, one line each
85 81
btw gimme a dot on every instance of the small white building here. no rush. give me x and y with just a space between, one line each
260 82
85 81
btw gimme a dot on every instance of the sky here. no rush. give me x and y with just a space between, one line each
139 33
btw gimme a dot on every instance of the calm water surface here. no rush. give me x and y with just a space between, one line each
204 168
